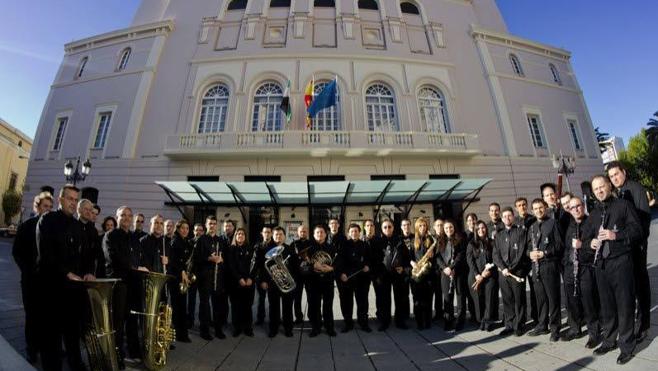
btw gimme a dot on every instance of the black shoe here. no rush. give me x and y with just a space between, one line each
506 331
346 329
519 332
260 322
482 326
32 356
236 333
288 333
272 333
592 343
121 364
366 328
183 339
538 332
624 358
555 336
459 326
382 328
603 349
570 336
220 334
641 336
190 324
436 318
314 333
249 332
331 332
299 321
206 336
402 326
489 327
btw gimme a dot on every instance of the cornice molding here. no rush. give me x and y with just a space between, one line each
123 35
479 33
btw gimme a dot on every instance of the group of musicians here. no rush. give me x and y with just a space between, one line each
593 249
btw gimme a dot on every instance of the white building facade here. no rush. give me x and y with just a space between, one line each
426 90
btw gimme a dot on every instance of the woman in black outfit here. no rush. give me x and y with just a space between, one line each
483 275
242 270
422 286
450 255
180 252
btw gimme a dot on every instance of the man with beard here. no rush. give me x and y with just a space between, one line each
615 231
229 228
494 225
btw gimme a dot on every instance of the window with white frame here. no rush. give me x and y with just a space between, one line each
555 73
380 108
104 119
433 110
409 8
329 118
575 137
214 107
516 64
81 67
237 5
123 61
267 115
62 122
536 131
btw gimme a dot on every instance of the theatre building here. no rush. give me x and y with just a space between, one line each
438 108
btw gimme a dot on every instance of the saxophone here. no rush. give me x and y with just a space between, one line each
99 337
156 322
423 266
191 277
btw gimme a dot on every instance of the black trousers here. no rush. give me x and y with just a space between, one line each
219 300
470 304
400 284
382 284
437 291
30 294
533 301
192 293
642 286
584 306
242 298
280 307
514 302
297 299
547 293
127 296
356 288
422 295
262 294
320 303
616 283
178 308
485 299
459 291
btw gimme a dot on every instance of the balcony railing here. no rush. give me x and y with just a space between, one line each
285 142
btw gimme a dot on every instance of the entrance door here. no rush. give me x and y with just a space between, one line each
260 217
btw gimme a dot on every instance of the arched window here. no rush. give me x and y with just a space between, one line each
123 61
555 73
324 4
237 5
329 118
81 67
516 64
213 109
409 8
279 3
380 108
267 115
368 4
433 110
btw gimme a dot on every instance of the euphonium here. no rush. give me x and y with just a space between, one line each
276 267
423 266
99 337
156 322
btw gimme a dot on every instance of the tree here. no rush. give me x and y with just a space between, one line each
11 204
641 161
601 137
652 132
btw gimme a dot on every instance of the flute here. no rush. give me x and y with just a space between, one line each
214 282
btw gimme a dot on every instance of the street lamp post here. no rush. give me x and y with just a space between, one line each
75 175
565 166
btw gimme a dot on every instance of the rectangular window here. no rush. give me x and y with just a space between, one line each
103 129
325 178
263 178
443 176
535 131
574 134
62 122
388 177
203 178
13 179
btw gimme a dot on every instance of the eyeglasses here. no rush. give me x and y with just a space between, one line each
576 206
387 227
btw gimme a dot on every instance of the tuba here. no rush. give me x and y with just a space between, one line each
423 265
99 337
156 321
276 267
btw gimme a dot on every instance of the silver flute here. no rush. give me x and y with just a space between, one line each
574 260
218 253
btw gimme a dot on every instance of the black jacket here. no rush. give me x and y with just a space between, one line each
376 251
620 215
179 253
525 222
396 253
207 245
585 254
260 249
329 249
351 258
509 251
545 235
479 253
494 227
457 255
242 263
62 247
561 216
152 248
291 261
122 253
24 249
633 192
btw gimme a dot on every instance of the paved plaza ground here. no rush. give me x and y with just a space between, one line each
394 349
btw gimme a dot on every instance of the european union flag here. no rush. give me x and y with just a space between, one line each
326 98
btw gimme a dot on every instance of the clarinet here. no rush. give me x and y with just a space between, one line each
535 264
603 220
574 259
214 281
451 287
164 253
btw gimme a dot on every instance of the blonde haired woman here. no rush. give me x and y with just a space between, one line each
422 284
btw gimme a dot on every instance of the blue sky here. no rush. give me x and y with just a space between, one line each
614 46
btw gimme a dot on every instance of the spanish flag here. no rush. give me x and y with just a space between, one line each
308 99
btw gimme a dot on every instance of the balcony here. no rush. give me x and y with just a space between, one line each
319 144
